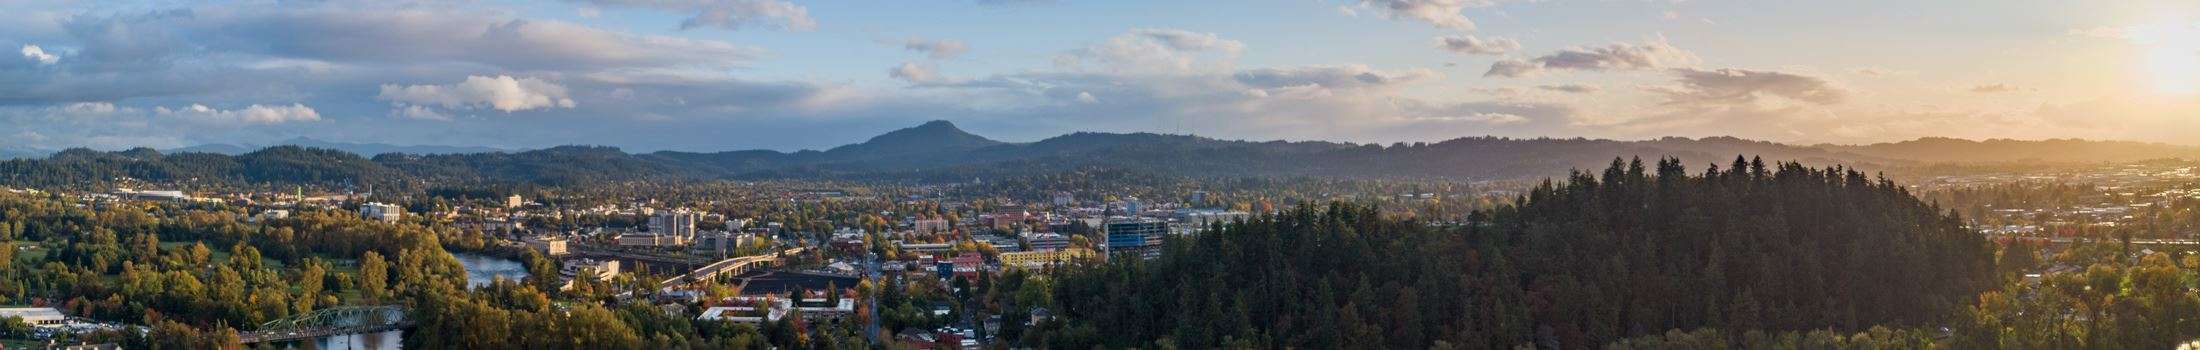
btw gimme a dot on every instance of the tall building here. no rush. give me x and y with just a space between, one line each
513 201
1135 236
933 226
380 211
1063 199
1196 220
676 223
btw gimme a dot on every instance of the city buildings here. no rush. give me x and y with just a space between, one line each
677 222
1196 220
814 306
152 195
600 270
933 226
549 245
968 264
1135 236
645 239
1009 217
722 242
1046 241
751 310
35 316
1038 259
513 201
927 248
380 211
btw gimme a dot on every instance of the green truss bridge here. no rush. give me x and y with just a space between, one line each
335 321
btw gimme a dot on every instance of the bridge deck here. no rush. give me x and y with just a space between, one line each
278 336
735 265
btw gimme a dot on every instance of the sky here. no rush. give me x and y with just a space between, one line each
712 75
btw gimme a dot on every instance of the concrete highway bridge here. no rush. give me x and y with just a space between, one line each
729 266
688 260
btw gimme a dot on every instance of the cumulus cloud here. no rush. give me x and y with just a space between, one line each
419 112
502 93
940 49
37 54
918 74
1156 51
726 14
1617 56
1471 45
1743 86
1333 102
91 108
1572 88
185 54
412 37
253 114
1183 40
1441 13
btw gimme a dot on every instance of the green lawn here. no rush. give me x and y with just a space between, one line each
12 344
33 254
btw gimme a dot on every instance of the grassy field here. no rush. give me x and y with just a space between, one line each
32 254
12 344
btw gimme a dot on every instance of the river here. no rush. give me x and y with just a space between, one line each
480 271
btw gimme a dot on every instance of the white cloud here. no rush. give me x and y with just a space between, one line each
502 93
419 112
727 14
941 49
404 37
1741 86
37 54
1156 51
1441 13
253 114
918 74
1471 45
90 108
1617 56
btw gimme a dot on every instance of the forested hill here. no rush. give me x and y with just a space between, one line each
940 151
1577 263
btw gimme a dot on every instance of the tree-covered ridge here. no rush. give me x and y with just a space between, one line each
1593 259
938 151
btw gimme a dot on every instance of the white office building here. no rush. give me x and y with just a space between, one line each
380 211
35 316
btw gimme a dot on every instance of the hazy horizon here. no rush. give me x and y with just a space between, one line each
862 139
792 75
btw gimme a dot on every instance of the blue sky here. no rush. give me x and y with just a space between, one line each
711 75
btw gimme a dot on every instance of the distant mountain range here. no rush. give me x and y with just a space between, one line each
229 149
939 151
368 149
